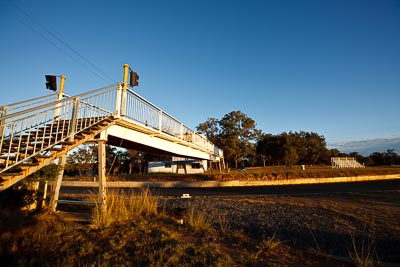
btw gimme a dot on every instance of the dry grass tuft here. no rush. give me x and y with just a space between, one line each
198 219
363 251
122 207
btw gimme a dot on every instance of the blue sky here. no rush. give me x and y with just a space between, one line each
331 67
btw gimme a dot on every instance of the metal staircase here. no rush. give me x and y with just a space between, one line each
35 132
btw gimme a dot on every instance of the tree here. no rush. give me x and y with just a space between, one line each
369 161
359 158
293 148
315 147
377 158
271 147
48 172
263 148
132 161
390 157
210 128
291 156
334 152
82 160
235 134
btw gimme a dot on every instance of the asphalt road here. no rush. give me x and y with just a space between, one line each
359 187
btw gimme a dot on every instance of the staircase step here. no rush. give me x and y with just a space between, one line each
40 135
66 143
55 149
87 132
43 156
27 165
23 149
53 131
26 138
9 175
80 136
13 157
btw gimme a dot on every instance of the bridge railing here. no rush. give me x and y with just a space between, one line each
143 111
43 124
27 133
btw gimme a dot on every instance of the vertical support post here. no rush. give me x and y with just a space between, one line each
74 116
60 96
117 113
124 87
102 175
61 92
160 121
2 121
42 194
55 192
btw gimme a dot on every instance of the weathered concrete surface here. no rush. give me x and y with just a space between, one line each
180 184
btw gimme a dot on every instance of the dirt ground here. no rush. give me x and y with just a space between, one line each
334 224
331 224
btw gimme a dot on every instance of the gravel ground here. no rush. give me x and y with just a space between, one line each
331 224
326 224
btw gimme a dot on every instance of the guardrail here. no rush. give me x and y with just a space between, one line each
140 110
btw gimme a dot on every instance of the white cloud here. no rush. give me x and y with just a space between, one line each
368 146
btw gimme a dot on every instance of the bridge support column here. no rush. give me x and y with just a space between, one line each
102 174
55 192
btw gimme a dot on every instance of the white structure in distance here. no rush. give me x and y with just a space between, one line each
178 165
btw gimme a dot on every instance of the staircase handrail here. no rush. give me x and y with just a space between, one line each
33 102
65 118
16 114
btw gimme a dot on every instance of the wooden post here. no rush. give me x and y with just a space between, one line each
55 192
102 175
42 194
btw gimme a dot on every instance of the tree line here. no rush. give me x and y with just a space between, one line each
245 145
83 161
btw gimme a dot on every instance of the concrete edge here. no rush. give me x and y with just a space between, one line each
183 184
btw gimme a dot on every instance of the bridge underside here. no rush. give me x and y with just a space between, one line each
120 142
142 138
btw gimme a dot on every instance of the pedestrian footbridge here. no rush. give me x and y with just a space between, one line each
36 132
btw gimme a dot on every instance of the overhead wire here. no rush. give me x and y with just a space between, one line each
61 50
64 43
